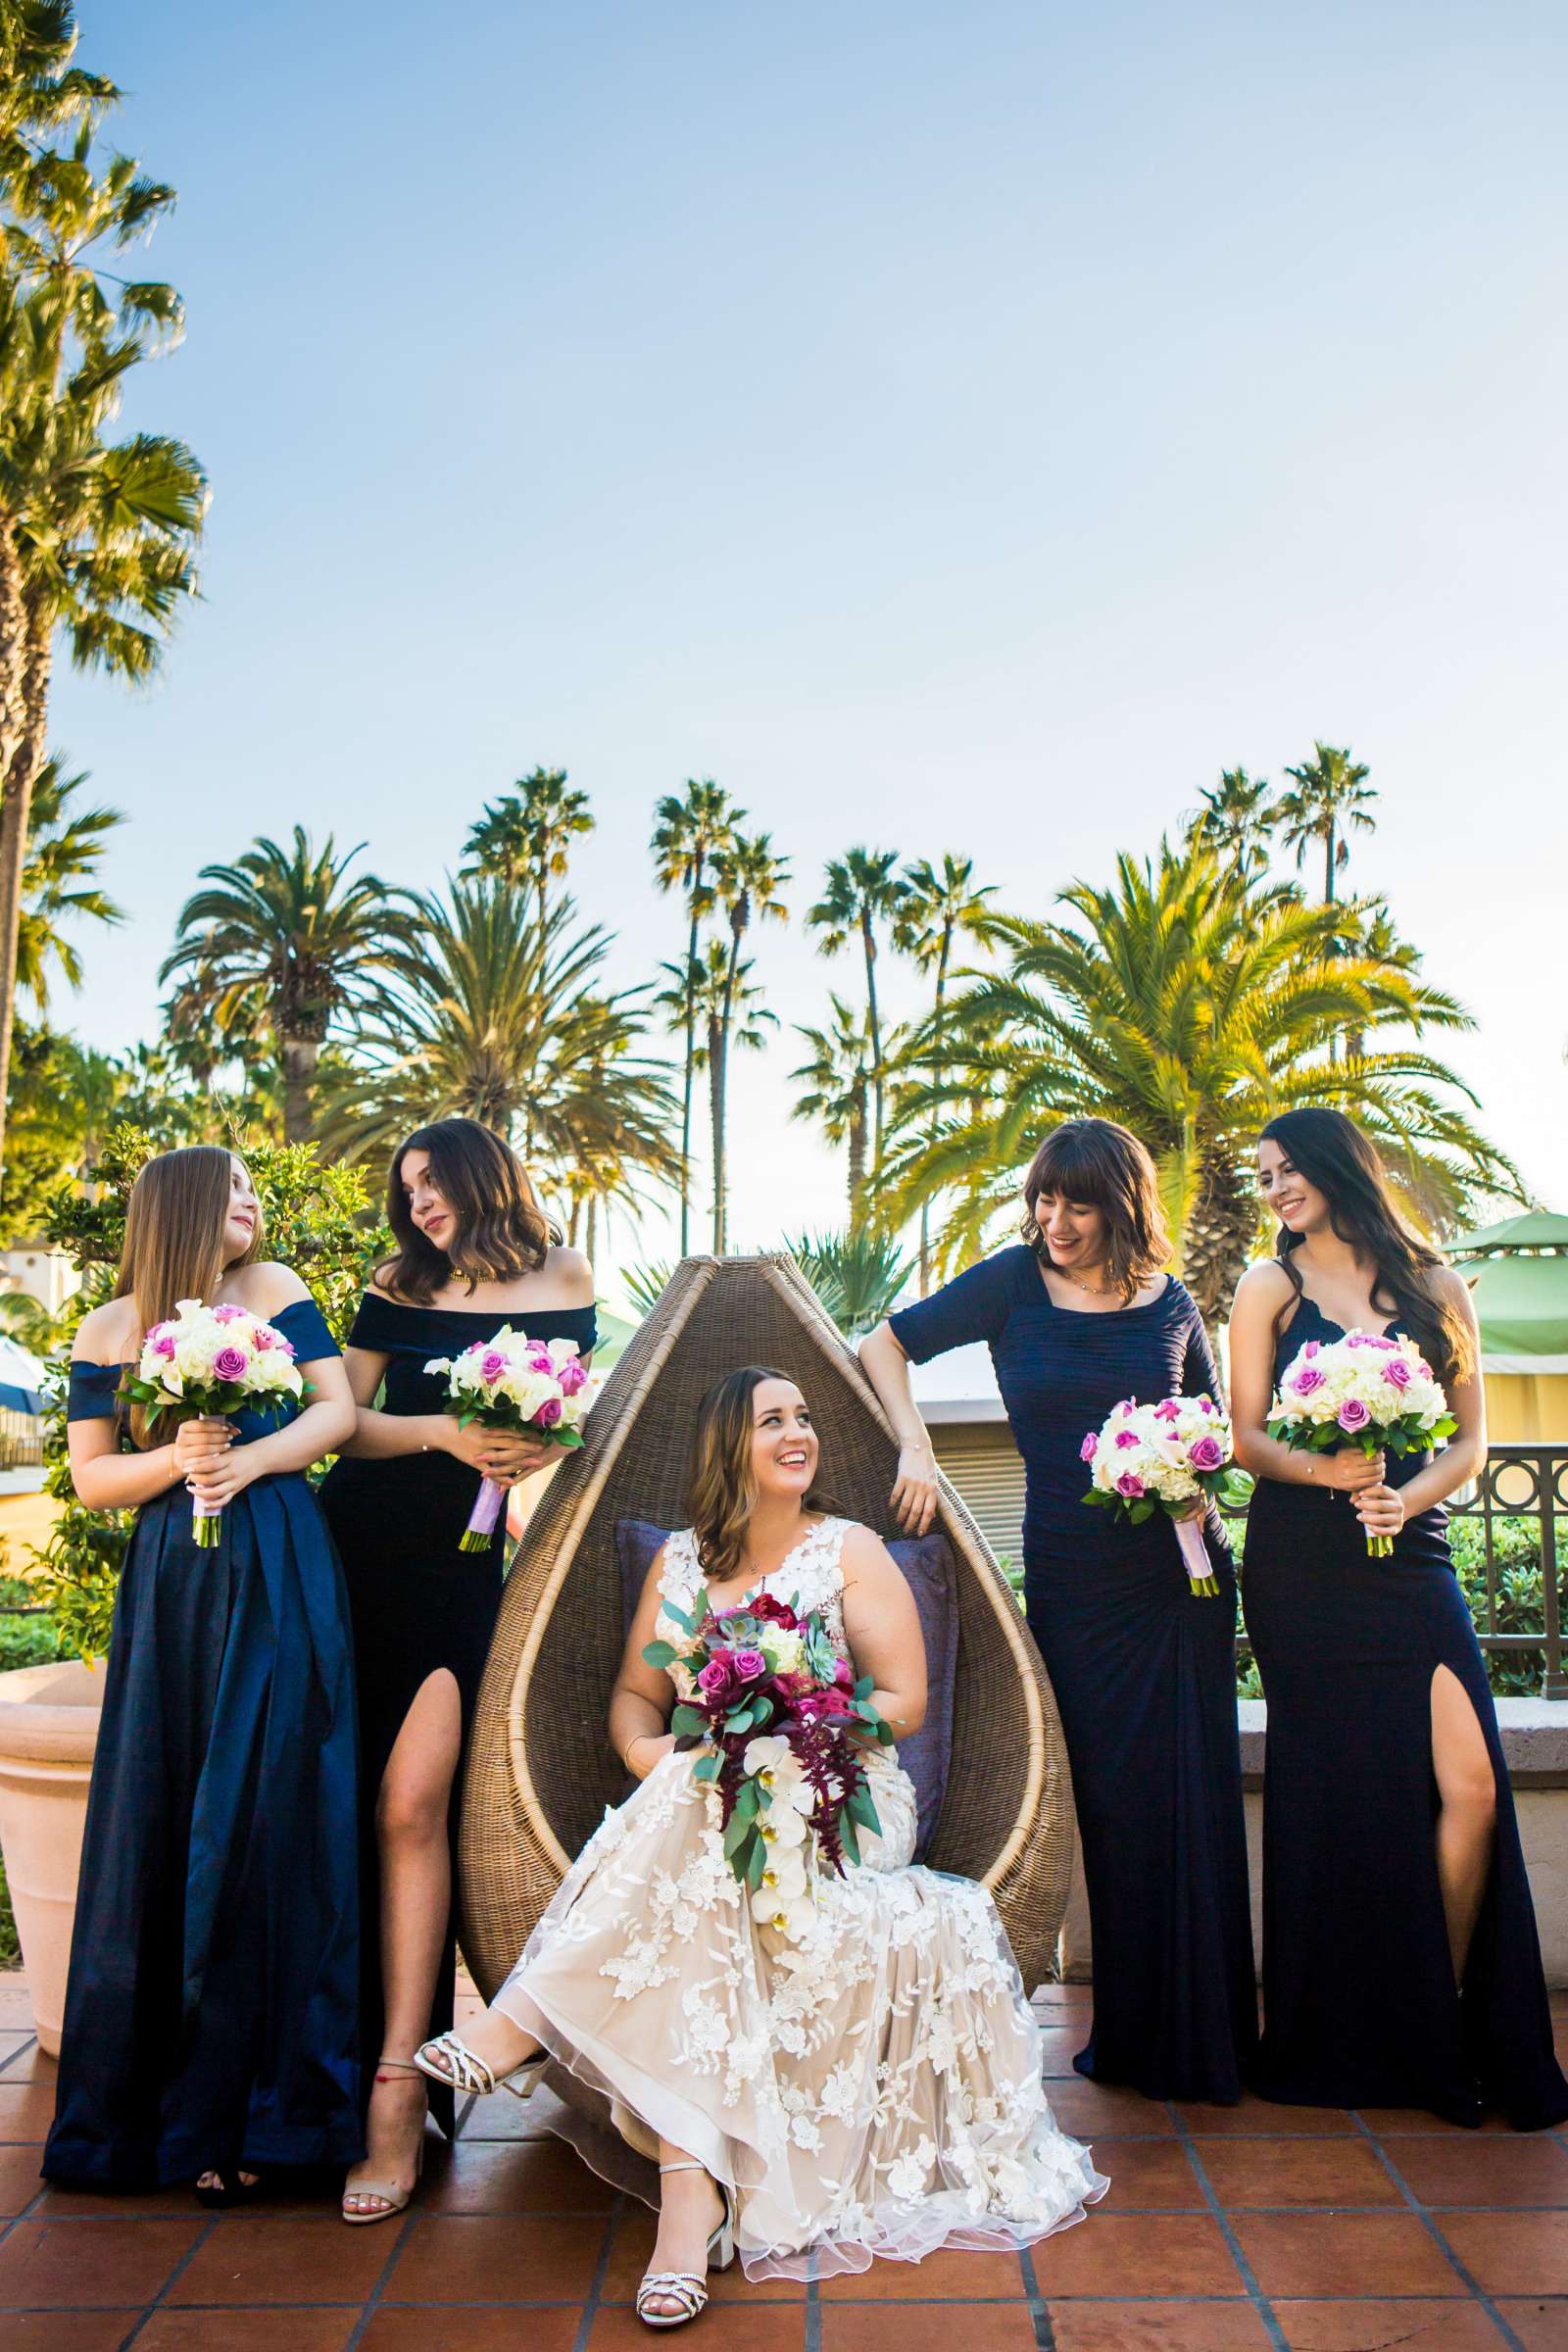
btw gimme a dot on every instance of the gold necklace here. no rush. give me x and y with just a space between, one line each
1101 1289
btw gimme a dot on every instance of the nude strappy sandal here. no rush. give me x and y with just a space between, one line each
683 2286
448 2060
393 2196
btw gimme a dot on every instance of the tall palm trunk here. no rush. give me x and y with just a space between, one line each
868 936
593 1226
691 1069
1221 1228
715 1105
28 750
857 1157
938 1066
300 1056
737 931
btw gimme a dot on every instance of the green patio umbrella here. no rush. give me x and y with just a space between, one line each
1518 1272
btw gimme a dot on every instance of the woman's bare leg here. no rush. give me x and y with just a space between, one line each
691 2207
1467 1792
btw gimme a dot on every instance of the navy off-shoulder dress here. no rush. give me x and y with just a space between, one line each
1144 1673
212 2011
419 1603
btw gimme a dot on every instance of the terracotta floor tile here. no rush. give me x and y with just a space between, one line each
1060 2045
1399 2122
768 2328
1510 2253
19 2180
1148 2174
1386 2323
919 2328
69 2331
1086 2109
1520 2171
16 2008
1344 2254
27 2110
1295 2172
512 2176
251 2259
30 2064
495 2257
174 2204
632 2250
89 2264
430 2330
947 2278
502 2117
12 2039
1137 2254
1539 2321
257 2331
1264 2119
1089 2327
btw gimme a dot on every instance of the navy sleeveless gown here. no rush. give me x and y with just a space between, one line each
212 2012
1360 2004
1144 1671
418 1603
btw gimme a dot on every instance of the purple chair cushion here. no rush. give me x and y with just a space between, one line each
927 1566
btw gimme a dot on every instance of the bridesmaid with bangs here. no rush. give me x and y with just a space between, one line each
474 1252
211 2022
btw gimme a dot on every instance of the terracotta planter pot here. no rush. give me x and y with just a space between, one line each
48 1731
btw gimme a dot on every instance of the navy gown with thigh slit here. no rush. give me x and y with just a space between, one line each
1360 2004
211 2008
1144 1671
420 1604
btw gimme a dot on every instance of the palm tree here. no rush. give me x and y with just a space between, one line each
837 1083
64 851
286 941
731 1012
688 833
863 890
1237 820
939 904
1331 795
524 839
857 1275
1191 1004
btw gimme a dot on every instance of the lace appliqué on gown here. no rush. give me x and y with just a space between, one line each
870 2089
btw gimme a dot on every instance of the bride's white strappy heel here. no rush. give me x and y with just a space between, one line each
448 2060
684 2287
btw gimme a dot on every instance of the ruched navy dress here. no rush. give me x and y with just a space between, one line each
212 2010
418 1603
1360 2004
1143 1669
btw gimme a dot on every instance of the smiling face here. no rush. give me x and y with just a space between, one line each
428 1207
784 1447
1076 1235
1299 1205
244 1214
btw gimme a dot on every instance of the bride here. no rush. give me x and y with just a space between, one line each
868 2083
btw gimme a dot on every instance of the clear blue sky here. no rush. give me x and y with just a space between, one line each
957 427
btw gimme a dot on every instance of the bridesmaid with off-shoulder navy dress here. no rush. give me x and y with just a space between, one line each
1401 1966
211 2022
474 1252
1143 1667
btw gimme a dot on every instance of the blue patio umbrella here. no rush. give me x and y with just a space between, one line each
21 1379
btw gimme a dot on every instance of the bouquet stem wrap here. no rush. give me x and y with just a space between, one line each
1195 1551
482 1518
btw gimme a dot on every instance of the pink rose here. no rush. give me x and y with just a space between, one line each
1205 1405
572 1377
164 1344
1207 1455
1126 1437
229 1314
540 1360
230 1363
549 1414
750 1665
1305 1378
716 1680
493 1367
843 1674
1086 1451
1130 1485
1352 1414
1311 1348
1127 1405
266 1339
1168 1410
1397 1372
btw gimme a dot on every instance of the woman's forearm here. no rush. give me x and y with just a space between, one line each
1265 1457
321 1429
887 1368
1463 1460
384 1436
633 1717
903 1715
122 1481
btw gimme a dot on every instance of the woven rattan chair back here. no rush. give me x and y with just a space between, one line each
540 1769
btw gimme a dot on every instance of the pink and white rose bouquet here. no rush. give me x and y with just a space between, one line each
212 1359
537 1389
1369 1390
1162 1458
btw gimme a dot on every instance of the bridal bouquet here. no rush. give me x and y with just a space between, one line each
534 1388
1166 1457
783 1719
1366 1389
212 1359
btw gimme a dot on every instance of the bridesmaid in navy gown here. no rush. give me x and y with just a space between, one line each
212 2012
1143 1667
474 1252
1400 1962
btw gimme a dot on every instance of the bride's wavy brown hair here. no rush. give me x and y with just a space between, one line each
502 1230
722 1494
174 1246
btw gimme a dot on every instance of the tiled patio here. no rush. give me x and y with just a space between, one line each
1225 2231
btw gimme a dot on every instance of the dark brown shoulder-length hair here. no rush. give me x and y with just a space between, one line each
174 1246
1104 1167
502 1230
1341 1159
722 1494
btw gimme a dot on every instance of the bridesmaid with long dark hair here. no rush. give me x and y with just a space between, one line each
212 2012
1078 1317
474 1252
1400 1962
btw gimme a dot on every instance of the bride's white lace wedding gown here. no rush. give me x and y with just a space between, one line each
871 2090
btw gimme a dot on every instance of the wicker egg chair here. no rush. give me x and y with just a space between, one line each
540 1769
